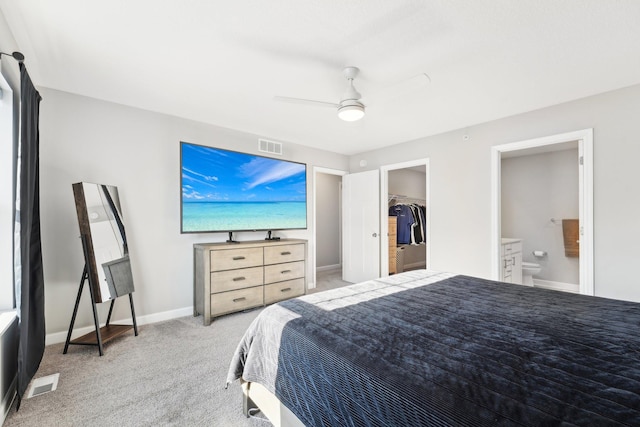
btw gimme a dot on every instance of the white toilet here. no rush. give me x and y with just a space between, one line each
529 269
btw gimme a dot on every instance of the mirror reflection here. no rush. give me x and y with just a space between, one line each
104 239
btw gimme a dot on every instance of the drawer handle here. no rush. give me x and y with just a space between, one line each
285 253
285 290
285 271
239 299
238 258
239 279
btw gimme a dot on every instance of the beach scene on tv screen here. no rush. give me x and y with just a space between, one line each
227 191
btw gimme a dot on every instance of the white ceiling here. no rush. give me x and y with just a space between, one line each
223 62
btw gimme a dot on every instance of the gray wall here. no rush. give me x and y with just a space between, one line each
460 184
536 188
328 220
84 139
407 182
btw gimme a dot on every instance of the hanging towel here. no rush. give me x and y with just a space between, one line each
571 234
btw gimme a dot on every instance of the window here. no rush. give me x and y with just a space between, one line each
6 196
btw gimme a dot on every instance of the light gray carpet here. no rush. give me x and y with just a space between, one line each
328 279
172 374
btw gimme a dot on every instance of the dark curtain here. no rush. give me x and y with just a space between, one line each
31 309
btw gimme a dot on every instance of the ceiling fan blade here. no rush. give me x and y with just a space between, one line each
305 101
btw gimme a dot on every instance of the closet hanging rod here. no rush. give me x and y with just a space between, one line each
402 196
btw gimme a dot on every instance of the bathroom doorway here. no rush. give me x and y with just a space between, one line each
542 193
326 252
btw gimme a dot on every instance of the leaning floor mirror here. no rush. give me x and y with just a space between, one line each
104 240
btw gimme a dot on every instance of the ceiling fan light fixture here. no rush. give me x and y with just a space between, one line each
351 111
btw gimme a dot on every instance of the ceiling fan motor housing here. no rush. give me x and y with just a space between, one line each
351 110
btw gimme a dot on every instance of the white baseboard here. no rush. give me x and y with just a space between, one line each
329 267
58 337
556 286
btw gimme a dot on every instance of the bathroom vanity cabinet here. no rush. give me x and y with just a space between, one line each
511 261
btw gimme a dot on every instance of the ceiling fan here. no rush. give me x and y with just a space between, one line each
350 108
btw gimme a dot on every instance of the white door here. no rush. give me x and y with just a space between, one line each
361 226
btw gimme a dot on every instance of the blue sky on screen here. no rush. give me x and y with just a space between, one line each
211 174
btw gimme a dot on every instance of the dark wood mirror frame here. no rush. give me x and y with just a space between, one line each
106 252
104 240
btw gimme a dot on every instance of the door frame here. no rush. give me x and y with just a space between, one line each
585 149
312 246
384 210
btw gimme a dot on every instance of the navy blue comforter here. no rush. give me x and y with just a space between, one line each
434 349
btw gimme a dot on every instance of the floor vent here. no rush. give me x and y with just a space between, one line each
270 147
43 385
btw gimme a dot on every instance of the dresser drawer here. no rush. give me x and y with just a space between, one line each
505 249
222 281
281 272
283 290
283 253
242 299
230 259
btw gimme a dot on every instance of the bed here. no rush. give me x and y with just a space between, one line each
426 348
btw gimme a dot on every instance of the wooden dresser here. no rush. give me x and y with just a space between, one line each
230 277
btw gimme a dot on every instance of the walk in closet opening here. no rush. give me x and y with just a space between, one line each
405 218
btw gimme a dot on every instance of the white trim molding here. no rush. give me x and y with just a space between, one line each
585 144
58 337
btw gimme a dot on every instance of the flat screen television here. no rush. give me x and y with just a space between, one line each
228 191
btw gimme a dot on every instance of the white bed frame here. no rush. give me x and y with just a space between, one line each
256 397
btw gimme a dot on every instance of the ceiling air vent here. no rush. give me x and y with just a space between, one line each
270 147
